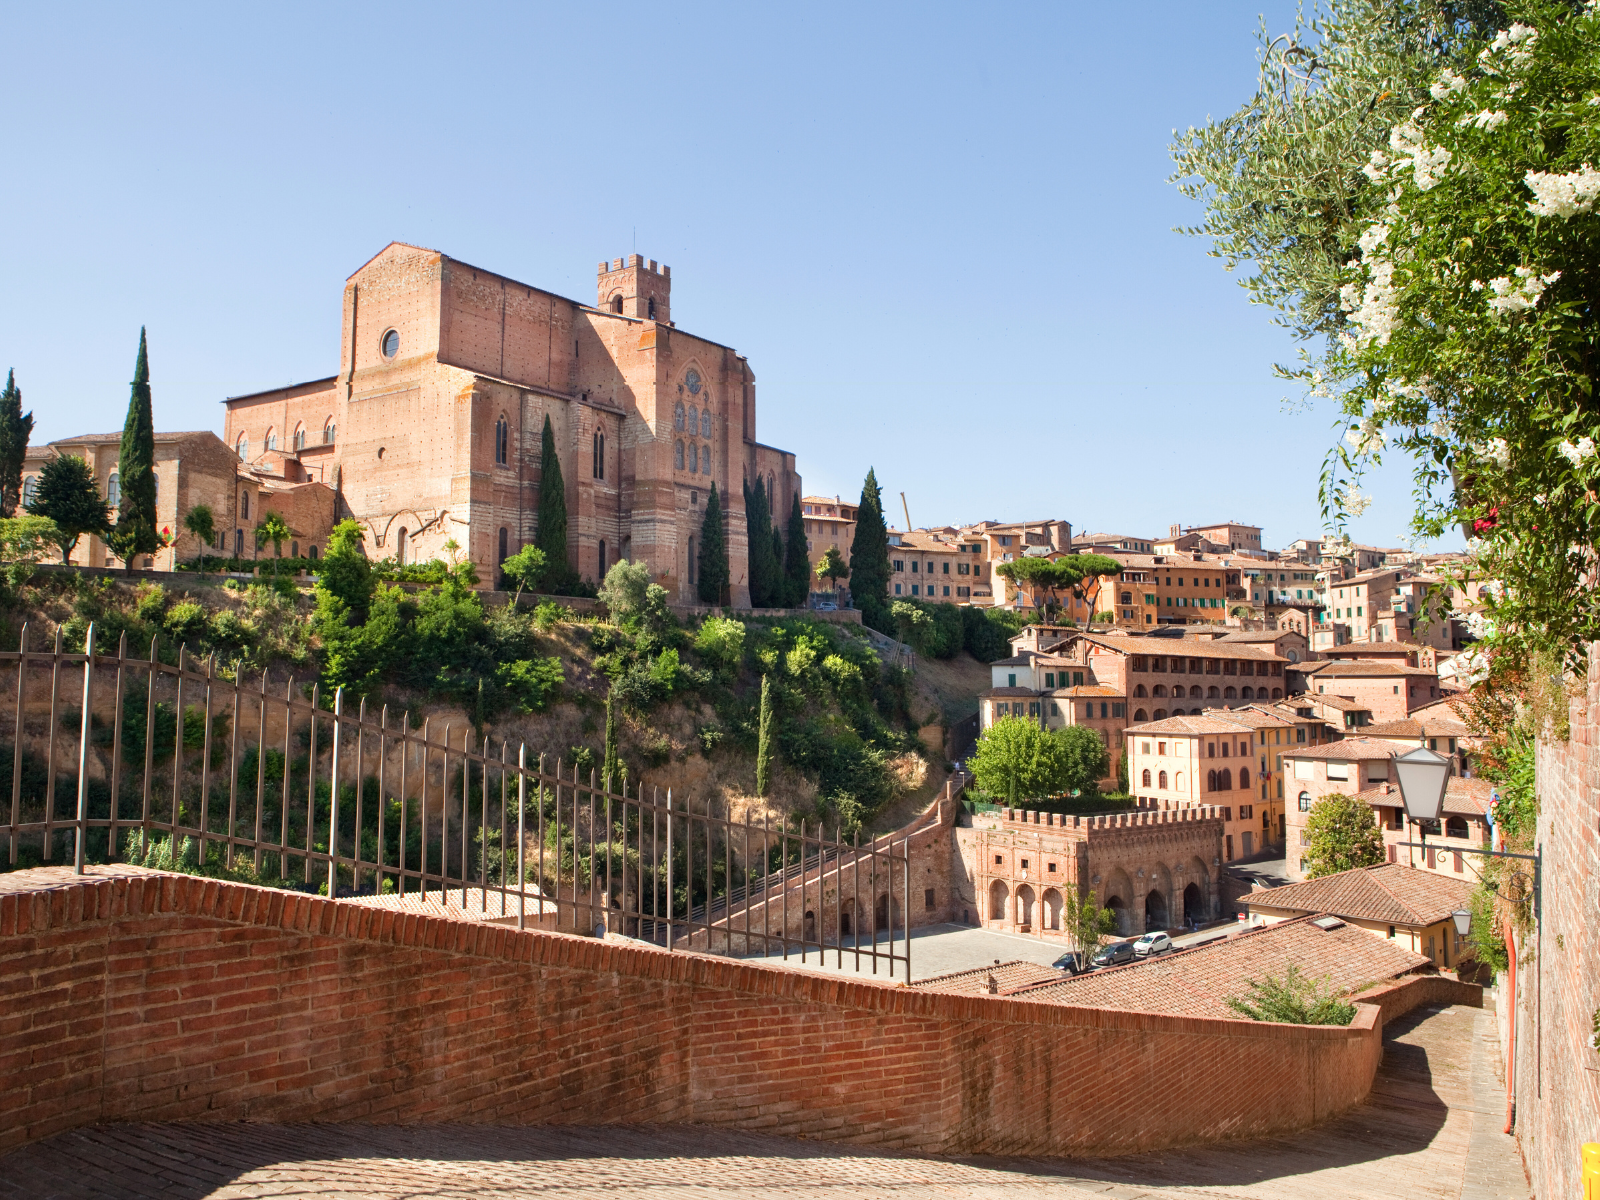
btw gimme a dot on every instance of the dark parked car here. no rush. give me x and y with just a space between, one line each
1072 962
1110 956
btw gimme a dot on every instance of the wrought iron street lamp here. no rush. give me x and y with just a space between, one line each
1463 919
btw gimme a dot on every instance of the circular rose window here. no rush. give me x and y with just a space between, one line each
391 343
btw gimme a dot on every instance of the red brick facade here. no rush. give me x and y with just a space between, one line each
161 998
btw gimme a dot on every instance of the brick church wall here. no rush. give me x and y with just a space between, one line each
175 998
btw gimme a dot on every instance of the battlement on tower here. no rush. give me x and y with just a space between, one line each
637 287
1031 818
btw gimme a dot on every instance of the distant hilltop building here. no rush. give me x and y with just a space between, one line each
431 428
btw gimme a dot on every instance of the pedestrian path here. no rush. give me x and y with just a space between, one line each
1431 1129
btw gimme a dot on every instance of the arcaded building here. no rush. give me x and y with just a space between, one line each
430 430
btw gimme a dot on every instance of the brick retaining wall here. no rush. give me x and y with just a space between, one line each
142 996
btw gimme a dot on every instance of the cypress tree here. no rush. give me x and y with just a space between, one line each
764 738
15 429
608 769
135 532
552 534
869 558
763 564
797 562
778 589
712 566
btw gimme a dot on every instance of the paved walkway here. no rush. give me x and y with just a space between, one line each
1430 1129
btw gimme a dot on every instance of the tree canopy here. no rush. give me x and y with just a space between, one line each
711 566
1048 578
1342 834
15 430
136 531
68 495
1015 760
869 558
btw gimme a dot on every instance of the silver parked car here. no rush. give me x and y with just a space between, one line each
1152 943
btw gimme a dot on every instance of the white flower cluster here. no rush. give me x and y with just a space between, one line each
1367 438
1520 39
1484 120
1578 453
1563 195
1411 152
1355 503
1372 307
1374 237
1497 452
1449 84
1519 294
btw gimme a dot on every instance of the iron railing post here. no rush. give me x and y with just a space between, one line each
79 847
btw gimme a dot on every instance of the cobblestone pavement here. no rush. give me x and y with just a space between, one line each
1430 1129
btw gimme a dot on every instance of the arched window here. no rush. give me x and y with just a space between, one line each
1277 693
705 460
602 559
650 308
294 549
1456 827
677 456
243 447
1211 781
705 422
30 489
1244 777
328 431
272 439
244 506
1247 693
1158 690
400 546
1225 780
502 441
313 553
694 458
1213 694
677 416
114 489
1177 781
1305 801
1161 780
599 455
691 558
1138 690
1160 714
1228 693
694 420
300 435
616 303
238 543
1146 782
504 538
1139 715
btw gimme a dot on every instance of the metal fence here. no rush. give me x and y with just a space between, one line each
161 762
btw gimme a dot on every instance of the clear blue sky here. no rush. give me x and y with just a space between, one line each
940 233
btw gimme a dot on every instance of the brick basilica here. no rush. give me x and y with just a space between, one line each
431 428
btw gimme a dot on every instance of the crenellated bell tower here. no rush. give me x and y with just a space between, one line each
636 287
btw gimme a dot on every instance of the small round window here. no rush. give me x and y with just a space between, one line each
693 380
391 343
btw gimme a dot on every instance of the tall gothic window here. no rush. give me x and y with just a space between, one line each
705 460
651 310
502 441
677 416
705 422
504 538
272 439
694 420
243 448
694 458
244 506
300 437
691 559
677 456
602 557
114 490
328 430
599 456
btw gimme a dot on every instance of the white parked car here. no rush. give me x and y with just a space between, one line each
1152 943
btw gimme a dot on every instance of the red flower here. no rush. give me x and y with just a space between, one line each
1484 524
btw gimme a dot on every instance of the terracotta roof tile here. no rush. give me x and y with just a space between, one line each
1462 797
1198 982
1007 976
1391 893
1356 749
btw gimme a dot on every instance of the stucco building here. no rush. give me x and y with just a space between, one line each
430 430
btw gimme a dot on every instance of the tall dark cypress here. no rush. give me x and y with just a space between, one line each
869 558
711 577
135 532
552 535
797 559
763 564
15 429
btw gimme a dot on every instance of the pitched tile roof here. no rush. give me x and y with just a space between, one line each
1089 689
1188 647
1260 635
1432 725
1186 725
1391 893
1367 667
1356 749
1008 977
1198 982
1462 797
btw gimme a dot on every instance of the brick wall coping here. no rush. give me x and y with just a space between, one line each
55 903
1116 820
140 995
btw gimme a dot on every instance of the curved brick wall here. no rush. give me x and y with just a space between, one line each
164 997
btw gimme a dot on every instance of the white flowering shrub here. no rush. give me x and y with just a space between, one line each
1467 324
